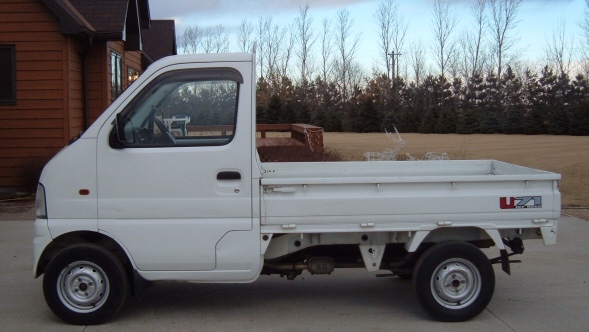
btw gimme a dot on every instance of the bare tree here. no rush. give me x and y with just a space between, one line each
585 26
244 36
400 27
347 49
559 52
472 41
288 38
191 39
207 40
503 21
272 56
443 24
326 47
392 32
220 39
417 56
273 42
305 39
454 66
384 19
355 74
262 36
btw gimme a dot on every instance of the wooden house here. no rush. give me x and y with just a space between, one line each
62 62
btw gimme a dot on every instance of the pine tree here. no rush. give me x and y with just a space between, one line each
407 120
579 125
552 101
559 113
468 122
512 100
579 119
514 120
274 111
288 113
447 121
429 122
469 114
368 119
327 106
490 122
579 89
430 98
262 93
533 123
261 114
491 106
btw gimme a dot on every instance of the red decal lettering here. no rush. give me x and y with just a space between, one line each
504 204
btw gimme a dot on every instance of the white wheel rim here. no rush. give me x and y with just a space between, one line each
83 287
456 283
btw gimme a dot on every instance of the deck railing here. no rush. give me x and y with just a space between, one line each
309 135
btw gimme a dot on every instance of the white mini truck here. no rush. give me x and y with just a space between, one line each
134 199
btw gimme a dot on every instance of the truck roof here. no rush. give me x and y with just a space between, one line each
208 57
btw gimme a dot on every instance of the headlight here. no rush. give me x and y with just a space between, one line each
41 205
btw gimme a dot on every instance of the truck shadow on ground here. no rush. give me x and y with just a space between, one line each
308 296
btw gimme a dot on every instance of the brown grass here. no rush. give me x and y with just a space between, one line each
566 155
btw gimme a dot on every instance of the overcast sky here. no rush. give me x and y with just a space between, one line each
538 18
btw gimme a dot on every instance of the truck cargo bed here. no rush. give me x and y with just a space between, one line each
402 195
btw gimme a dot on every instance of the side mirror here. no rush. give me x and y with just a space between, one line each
117 135
120 122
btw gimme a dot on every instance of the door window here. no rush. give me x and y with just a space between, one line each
183 108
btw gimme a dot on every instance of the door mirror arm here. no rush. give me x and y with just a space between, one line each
117 137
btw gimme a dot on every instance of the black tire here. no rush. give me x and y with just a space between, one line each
454 281
85 284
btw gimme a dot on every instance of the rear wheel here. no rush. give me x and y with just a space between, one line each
85 284
454 281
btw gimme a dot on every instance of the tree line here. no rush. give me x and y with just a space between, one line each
474 82
543 103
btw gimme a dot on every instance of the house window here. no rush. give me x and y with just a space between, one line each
133 74
116 65
7 75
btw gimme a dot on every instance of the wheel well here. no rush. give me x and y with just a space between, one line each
466 234
66 240
473 235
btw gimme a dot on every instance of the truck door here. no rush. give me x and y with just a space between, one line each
174 171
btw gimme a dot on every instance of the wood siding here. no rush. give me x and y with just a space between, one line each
75 92
50 93
32 130
98 80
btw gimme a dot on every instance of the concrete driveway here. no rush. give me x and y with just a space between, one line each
549 291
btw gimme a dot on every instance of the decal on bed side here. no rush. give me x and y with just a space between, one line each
521 202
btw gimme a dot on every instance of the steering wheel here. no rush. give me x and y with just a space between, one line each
166 135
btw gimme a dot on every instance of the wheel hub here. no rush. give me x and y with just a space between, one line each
456 283
83 286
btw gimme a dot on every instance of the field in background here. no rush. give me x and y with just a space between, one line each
566 155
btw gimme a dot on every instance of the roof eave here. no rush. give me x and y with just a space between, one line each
71 22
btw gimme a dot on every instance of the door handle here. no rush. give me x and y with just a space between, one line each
228 175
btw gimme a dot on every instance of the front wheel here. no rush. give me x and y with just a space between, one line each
85 284
454 281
